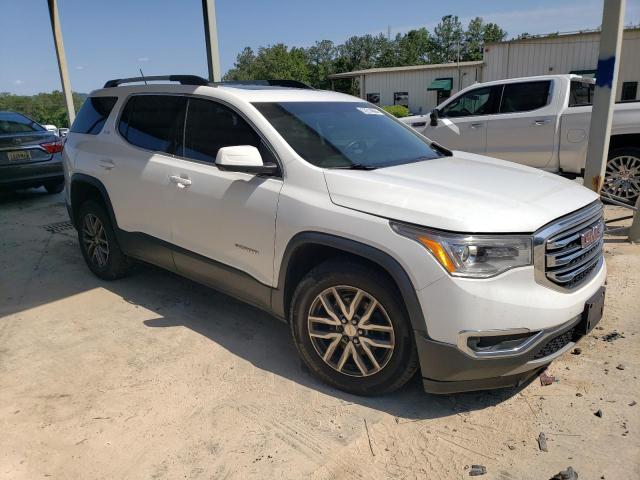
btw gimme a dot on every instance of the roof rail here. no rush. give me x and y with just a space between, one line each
183 79
270 83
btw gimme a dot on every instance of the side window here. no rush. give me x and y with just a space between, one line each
481 101
373 98
629 91
154 122
211 126
526 96
93 115
401 98
581 93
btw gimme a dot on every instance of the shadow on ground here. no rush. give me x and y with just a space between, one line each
49 267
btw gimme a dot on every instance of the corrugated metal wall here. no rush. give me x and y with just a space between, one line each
416 82
562 54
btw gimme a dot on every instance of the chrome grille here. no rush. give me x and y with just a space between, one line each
561 260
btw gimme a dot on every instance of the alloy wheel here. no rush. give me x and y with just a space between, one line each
622 177
351 331
95 240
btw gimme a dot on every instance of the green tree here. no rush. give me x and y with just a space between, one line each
243 67
414 47
44 108
446 40
321 58
477 35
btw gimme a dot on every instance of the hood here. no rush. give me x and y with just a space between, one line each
463 193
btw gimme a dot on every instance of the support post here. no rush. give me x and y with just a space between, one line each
211 39
62 59
605 93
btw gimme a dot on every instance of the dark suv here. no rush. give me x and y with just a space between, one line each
30 156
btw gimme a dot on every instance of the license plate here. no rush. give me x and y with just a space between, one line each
593 311
19 155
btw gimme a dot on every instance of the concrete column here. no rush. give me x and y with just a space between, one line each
211 39
62 60
605 93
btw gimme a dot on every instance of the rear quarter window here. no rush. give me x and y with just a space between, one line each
12 122
93 115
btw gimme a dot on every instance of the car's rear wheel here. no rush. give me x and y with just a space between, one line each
351 330
99 244
54 187
622 175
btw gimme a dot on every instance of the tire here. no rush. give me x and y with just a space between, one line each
362 377
54 187
622 174
106 260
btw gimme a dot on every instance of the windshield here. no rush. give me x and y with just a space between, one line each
345 134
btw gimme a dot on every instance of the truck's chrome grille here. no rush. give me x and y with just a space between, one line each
569 250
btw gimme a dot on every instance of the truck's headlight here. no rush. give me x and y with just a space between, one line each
475 256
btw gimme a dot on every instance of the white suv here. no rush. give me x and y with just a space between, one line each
384 251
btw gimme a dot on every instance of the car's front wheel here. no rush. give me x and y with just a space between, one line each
351 329
99 244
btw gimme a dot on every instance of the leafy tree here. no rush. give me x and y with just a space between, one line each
446 41
321 58
477 35
414 48
44 108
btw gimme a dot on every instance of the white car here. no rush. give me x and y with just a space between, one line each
542 122
51 128
385 254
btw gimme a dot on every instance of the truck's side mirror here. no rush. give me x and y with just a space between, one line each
434 117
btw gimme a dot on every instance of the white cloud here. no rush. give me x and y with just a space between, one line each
18 82
143 59
79 67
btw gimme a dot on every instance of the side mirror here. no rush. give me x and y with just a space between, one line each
243 158
435 113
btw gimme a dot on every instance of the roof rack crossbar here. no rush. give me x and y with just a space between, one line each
182 79
270 82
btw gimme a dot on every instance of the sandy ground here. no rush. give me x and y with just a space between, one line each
156 377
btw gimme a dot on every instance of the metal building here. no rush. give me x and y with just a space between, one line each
419 87
422 87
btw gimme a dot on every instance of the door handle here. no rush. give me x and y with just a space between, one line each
181 182
477 125
537 123
106 164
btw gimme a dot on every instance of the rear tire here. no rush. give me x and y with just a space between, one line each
381 353
99 244
54 187
622 174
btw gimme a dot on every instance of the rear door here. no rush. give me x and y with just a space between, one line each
524 128
136 172
463 121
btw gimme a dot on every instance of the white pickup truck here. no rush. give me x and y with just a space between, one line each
540 121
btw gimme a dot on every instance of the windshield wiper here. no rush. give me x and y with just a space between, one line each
357 166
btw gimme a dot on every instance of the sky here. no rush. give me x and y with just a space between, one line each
107 39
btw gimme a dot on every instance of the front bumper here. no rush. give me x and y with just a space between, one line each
446 369
511 301
26 175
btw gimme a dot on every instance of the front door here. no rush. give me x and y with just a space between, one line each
463 121
524 128
224 217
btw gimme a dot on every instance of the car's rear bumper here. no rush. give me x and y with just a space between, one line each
447 369
28 175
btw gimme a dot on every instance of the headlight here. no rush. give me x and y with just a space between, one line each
474 256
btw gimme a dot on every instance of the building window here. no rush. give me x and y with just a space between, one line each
373 98
629 91
401 98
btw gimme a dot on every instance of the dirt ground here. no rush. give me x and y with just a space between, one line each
156 377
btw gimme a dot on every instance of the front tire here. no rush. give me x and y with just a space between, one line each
351 330
99 244
622 174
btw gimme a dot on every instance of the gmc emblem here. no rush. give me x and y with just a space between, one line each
592 235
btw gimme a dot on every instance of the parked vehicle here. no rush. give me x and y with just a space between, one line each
542 122
29 155
384 252
62 132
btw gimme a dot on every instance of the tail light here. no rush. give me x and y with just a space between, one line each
53 147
